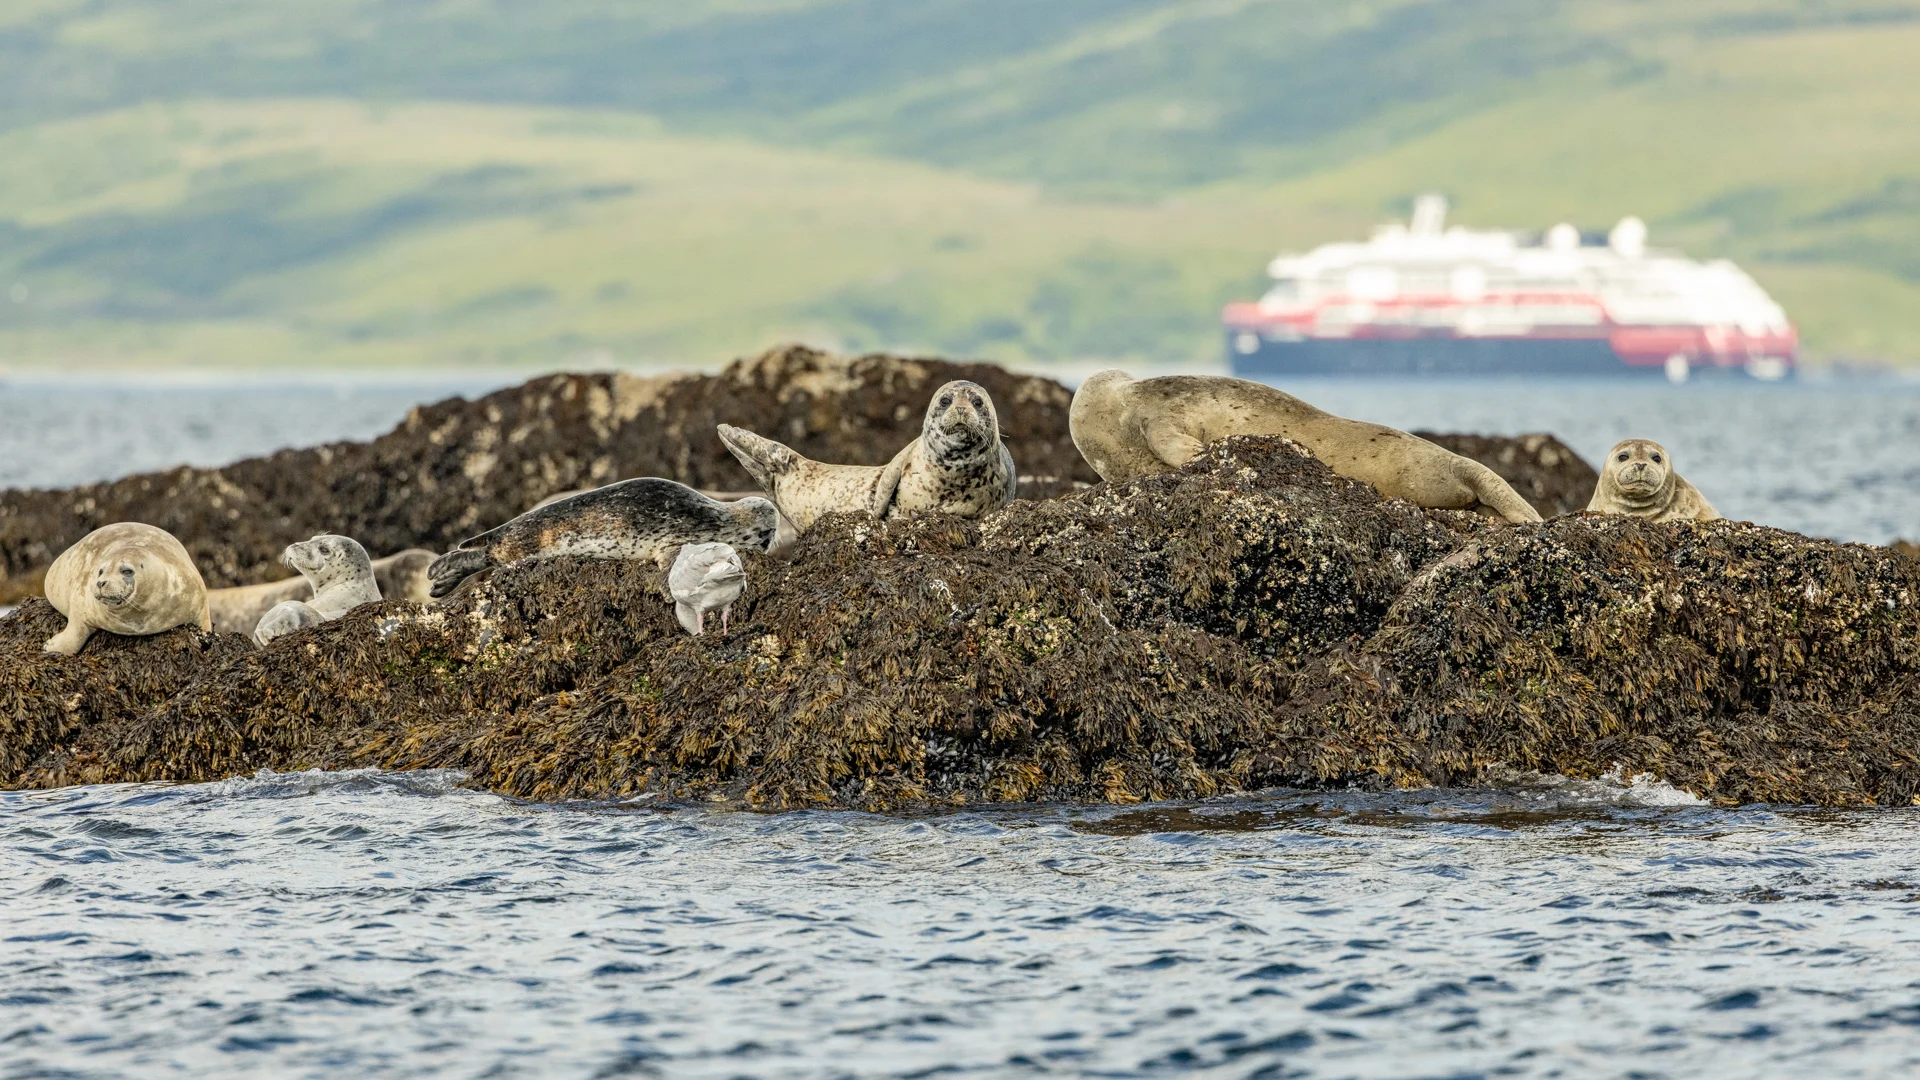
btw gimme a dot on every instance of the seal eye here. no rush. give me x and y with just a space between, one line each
974 400
1622 457
126 571
1656 459
946 400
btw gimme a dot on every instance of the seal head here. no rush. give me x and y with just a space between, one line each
960 422
1639 468
1637 480
116 581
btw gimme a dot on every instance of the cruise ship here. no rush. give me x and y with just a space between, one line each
1423 298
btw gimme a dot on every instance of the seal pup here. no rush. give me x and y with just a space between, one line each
1127 427
647 519
237 610
705 577
128 579
1638 480
957 465
342 578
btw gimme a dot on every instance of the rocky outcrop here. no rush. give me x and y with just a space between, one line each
1248 621
1542 469
459 467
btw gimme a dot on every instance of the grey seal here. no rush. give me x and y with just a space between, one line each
1127 428
341 575
705 577
1638 480
957 465
128 579
646 519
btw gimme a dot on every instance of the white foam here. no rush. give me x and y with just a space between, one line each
1611 788
267 784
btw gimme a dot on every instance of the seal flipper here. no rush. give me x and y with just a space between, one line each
70 641
889 483
763 458
1170 444
1498 495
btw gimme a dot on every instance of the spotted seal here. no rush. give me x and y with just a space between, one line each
646 519
1127 427
341 576
957 465
1638 480
128 579
237 610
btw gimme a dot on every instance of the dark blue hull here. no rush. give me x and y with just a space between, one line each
1446 356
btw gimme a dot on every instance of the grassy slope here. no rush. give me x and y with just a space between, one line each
1178 143
343 233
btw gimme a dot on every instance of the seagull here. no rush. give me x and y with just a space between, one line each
704 577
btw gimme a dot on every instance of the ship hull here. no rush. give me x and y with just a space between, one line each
1479 357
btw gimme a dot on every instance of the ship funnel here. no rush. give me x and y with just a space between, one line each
1629 238
1429 215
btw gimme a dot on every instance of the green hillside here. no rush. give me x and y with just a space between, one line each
428 182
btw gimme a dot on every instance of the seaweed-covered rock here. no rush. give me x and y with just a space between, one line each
46 700
1542 469
458 467
1250 620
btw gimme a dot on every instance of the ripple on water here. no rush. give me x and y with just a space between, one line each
371 923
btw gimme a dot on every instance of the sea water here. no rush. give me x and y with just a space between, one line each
396 925
382 924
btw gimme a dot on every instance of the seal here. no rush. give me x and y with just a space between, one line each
646 519
342 578
705 577
957 465
237 610
283 619
1638 480
128 579
1127 427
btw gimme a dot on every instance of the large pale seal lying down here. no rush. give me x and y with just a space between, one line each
1638 480
958 466
342 578
1127 427
125 579
645 519
237 610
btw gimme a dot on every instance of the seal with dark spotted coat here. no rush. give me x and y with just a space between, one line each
1638 480
1127 427
644 520
128 578
957 465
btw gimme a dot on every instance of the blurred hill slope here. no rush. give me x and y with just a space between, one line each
1019 179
